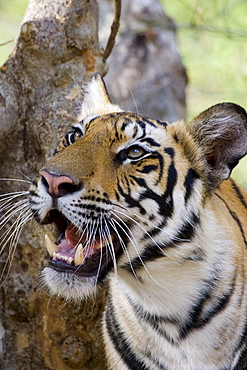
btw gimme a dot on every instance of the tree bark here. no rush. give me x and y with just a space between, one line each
40 94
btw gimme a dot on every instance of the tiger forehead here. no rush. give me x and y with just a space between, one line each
124 125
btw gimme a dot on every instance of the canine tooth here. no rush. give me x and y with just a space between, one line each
50 245
79 256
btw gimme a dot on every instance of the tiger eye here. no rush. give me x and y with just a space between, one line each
136 152
77 135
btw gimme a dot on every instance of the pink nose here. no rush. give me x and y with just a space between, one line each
58 185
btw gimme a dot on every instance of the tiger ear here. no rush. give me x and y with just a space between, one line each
96 99
221 132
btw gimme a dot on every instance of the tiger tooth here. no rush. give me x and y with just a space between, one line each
79 256
50 245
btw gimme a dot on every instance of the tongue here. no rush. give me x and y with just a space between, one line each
75 246
72 235
73 238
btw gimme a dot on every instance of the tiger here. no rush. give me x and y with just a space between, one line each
149 207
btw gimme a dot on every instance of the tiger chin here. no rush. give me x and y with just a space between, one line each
149 205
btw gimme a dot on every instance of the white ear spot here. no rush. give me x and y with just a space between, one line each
96 99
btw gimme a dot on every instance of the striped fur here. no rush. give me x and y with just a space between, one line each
154 209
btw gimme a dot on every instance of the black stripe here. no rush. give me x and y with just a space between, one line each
33 194
148 168
126 123
154 321
242 345
242 362
195 319
161 161
120 342
239 194
151 252
187 231
165 201
117 196
147 120
235 217
162 123
151 141
142 124
131 201
189 183
155 167
140 181
170 151
157 250
156 230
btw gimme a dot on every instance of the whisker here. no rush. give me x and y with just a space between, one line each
172 238
12 239
119 206
111 249
139 225
26 177
132 95
137 216
15 193
132 242
19 180
11 213
10 232
7 204
134 245
101 252
90 236
123 246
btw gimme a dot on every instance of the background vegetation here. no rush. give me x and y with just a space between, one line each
212 38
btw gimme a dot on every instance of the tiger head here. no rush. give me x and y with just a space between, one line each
123 189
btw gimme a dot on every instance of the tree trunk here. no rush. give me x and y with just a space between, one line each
145 65
40 95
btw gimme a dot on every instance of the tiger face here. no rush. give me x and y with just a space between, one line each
124 190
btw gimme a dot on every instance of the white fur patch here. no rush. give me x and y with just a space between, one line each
68 285
96 100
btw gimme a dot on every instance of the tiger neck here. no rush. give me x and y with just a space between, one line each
174 285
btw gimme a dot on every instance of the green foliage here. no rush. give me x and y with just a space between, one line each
212 38
11 14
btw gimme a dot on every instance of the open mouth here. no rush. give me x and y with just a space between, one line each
83 253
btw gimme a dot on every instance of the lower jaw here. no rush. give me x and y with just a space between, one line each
67 285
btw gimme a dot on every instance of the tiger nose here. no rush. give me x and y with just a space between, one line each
58 185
